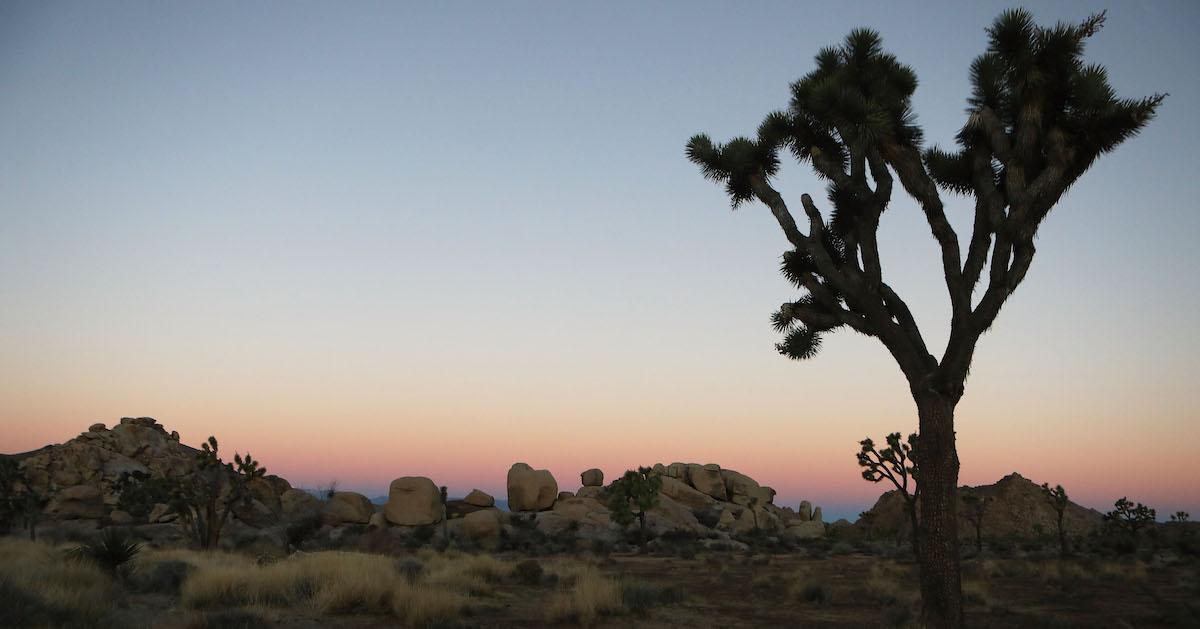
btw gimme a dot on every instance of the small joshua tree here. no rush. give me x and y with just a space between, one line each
1130 517
1056 497
443 495
974 508
1180 517
204 497
630 496
896 463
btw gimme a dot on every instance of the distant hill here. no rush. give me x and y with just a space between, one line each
1017 509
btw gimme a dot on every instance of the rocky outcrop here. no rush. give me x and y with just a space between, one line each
530 489
299 505
78 478
707 479
347 507
479 499
592 478
484 525
413 501
1016 509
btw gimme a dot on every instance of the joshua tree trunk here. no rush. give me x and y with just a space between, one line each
915 528
941 592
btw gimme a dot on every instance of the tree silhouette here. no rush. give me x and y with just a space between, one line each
897 464
1130 517
204 497
20 504
1038 117
974 510
1180 517
630 496
1057 498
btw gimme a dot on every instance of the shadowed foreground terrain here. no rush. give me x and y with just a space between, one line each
827 585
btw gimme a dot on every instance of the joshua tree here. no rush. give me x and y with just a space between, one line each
635 490
1057 498
1037 119
1180 517
203 497
974 508
1130 517
444 497
898 464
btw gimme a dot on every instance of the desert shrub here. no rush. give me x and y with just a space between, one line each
111 550
889 585
159 577
639 598
421 606
303 529
810 591
410 568
588 598
528 572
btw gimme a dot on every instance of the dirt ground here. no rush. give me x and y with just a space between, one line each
733 589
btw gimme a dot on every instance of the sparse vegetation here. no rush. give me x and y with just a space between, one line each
111 550
631 496
1130 517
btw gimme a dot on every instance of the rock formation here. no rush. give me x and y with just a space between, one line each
530 489
413 501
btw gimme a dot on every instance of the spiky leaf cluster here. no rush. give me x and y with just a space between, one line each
1037 106
1056 496
632 495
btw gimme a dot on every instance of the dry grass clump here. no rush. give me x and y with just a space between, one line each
423 606
467 574
806 589
890 584
588 595
1128 571
329 582
42 583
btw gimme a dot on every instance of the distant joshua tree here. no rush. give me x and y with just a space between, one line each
1038 117
1056 497
974 508
1180 517
1130 517
898 464
631 496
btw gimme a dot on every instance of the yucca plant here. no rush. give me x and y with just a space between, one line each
111 550
1038 117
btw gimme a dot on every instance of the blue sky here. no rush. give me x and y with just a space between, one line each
244 216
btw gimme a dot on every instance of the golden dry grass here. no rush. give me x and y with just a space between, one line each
70 587
586 596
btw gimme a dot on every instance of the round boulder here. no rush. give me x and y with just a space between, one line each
413 501
479 499
592 478
347 507
530 489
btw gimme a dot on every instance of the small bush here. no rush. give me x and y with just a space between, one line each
591 596
410 568
528 572
810 591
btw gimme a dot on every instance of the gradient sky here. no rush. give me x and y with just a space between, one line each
369 240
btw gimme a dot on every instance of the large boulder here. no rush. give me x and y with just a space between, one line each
804 529
479 499
413 501
684 494
668 516
78 502
707 479
592 478
298 505
594 493
742 489
347 507
482 525
805 512
530 489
